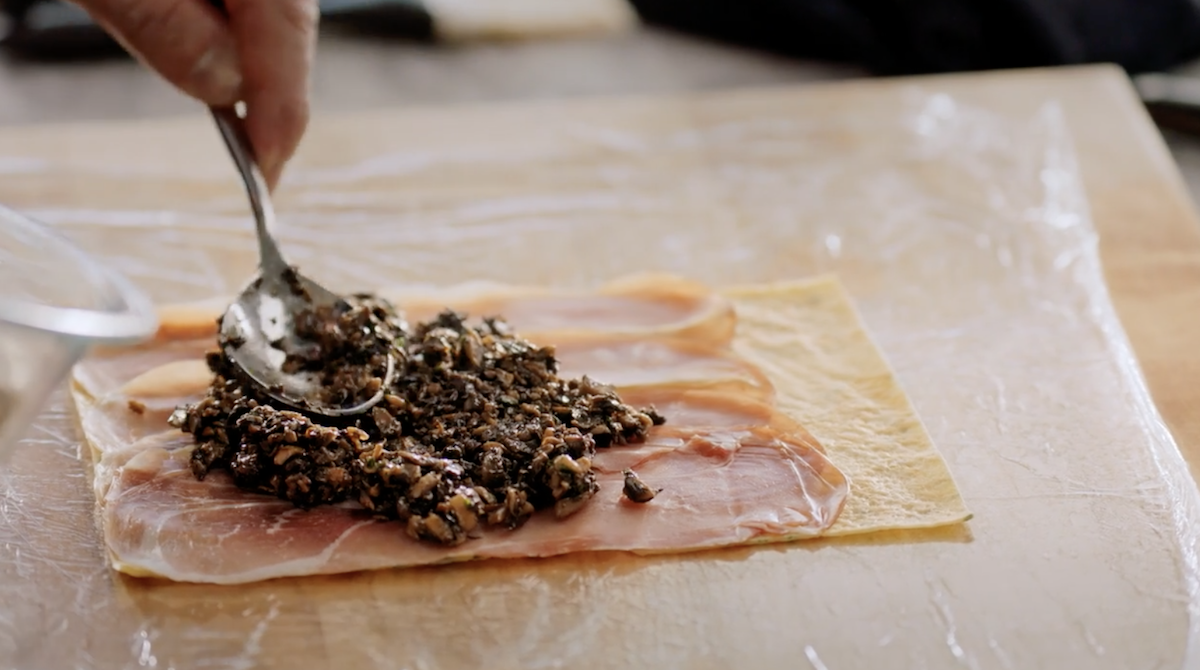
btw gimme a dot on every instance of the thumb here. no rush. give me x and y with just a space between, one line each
185 41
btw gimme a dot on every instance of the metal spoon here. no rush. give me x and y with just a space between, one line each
259 328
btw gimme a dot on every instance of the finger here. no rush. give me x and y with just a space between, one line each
185 41
276 42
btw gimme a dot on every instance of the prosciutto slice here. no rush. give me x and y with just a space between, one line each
718 488
647 363
731 468
643 306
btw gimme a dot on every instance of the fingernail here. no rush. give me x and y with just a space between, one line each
217 75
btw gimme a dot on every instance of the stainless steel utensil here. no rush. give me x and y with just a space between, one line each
259 327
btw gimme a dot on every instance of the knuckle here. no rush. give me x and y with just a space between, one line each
151 21
161 33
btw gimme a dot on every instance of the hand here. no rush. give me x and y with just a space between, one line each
260 55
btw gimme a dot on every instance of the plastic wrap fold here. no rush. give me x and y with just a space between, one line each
963 236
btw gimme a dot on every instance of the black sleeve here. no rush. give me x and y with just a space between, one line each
925 36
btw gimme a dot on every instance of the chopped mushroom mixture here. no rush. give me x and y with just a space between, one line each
348 354
476 429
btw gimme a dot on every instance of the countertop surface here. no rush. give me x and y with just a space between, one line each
1150 235
1081 550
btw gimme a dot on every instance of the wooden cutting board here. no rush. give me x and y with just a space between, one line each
1087 577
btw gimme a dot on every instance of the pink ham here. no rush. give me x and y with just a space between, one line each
646 306
732 468
718 489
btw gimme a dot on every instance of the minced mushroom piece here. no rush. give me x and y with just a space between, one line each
477 429
348 349
636 490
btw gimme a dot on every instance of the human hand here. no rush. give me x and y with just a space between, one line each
260 54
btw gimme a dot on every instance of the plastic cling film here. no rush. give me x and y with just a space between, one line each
963 235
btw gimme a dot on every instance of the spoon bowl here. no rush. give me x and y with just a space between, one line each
258 331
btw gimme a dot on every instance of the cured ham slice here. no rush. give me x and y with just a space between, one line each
642 307
645 306
693 412
710 409
636 363
657 370
718 489
731 468
103 372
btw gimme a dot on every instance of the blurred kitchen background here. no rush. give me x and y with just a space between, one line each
56 66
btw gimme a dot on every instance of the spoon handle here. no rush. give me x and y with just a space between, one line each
233 131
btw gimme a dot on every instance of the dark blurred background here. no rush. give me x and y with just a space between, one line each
883 36
55 65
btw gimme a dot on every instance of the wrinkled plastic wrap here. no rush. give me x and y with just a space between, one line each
965 239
